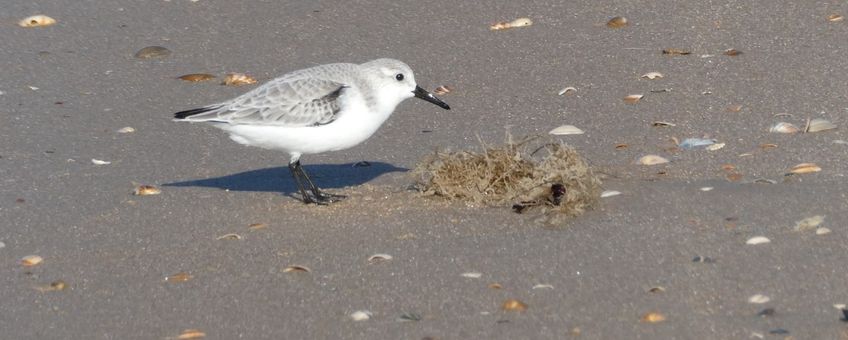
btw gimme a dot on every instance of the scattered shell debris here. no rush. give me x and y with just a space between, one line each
39 20
652 75
179 277
653 317
520 22
675 51
197 77
566 130
231 236
543 286
757 240
191 334
146 190
835 18
633 98
513 305
804 168
809 223
567 90
758 299
238 79
100 162
54 286
610 193
784 127
31 260
360 315
552 176
442 90
297 269
472 275
152 52
652 160
126 129
819 125
377 258
617 22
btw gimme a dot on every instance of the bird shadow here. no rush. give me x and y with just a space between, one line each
279 179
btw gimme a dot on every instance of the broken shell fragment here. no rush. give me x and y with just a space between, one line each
652 160
100 162
784 127
757 240
610 193
472 275
37 21
520 22
197 77
442 90
179 277
715 146
758 299
657 289
297 269
817 125
653 317
360 315
514 305
127 129
633 98
652 75
732 52
809 223
566 130
691 143
191 334
231 236
152 52
376 258
617 22
805 168
543 286
835 18
146 190
567 90
675 51
31 260
238 79
662 124
257 226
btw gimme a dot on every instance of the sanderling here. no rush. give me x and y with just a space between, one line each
324 108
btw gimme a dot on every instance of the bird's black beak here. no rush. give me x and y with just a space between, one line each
423 94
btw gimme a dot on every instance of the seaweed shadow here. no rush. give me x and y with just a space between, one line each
278 179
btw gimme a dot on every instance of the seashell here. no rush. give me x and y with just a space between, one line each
360 315
662 124
817 125
238 79
520 22
805 168
257 226
152 52
31 260
53 286
835 18
715 146
179 277
379 258
567 90
566 130
809 223
691 143
652 160
653 317
757 240
633 98
229 237
610 193
197 77
296 269
675 51
36 21
191 334
758 299
652 75
617 22
146 190
543 286
784 127
127 129
100 162
442 90
514 305
823 231
732 52
657 289
495 285
472 275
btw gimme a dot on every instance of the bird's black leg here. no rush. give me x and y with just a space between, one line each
295 171
320 197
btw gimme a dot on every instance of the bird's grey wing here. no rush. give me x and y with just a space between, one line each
284 102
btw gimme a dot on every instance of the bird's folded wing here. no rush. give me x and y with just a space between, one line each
290 102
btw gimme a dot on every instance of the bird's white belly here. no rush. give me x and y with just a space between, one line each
351 128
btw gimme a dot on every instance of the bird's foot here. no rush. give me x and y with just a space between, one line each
323 198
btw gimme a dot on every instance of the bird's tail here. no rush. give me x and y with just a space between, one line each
188 113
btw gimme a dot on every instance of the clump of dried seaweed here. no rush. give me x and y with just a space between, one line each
520 174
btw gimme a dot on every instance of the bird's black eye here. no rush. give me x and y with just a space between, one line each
399 76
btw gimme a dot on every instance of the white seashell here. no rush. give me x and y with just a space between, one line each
542 286
127 129
360 315
652 160
784 127
758 298
566 130
472 275
379 257
36 21
823 231
715 146
817 125
633 98
706 188
652 75
567 90
100 162
610 193
757 240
